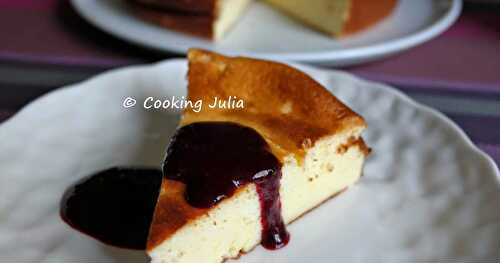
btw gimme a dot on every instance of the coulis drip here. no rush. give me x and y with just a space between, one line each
115 206
274 233
214 159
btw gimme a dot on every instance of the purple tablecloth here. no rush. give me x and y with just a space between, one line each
45 44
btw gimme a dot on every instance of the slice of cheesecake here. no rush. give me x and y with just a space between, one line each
309 141
207 18
336 17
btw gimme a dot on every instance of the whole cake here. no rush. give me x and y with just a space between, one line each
233 178
213 18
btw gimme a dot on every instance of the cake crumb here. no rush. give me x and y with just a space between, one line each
287 107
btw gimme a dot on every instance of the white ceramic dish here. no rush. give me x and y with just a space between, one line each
427 195
265 33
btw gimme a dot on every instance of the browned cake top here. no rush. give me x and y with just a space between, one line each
287 107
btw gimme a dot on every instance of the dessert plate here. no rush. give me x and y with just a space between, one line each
265 33
427 194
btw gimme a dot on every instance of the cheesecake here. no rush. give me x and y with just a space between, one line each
212 19
234 178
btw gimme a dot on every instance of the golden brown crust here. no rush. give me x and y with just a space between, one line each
366 13
288 108
205 7
197 25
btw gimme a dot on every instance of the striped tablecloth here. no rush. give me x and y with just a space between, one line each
44 45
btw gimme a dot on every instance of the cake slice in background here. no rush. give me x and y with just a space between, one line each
315 137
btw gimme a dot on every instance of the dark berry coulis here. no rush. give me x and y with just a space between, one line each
213 159
114 206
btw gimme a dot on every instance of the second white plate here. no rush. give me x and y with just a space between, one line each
266 33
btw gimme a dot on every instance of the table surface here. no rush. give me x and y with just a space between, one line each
45 45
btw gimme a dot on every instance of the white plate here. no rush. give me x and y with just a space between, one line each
265 33
427 195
